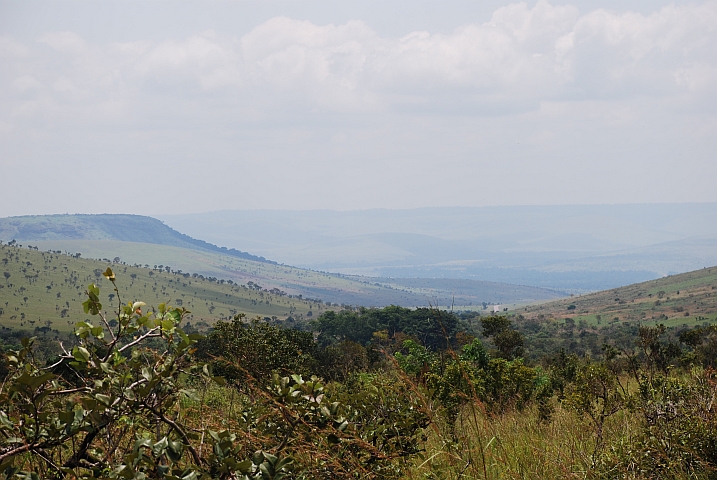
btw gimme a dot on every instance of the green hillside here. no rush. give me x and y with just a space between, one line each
341 289
42 289
688 298
146 241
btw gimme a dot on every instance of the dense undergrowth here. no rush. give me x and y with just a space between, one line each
389 393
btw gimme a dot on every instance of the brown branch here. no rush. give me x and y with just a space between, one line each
81 454
28 447
177 429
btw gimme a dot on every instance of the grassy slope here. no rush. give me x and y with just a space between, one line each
687 298
43 285
309 283
147 241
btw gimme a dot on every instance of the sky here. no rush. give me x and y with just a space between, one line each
159 107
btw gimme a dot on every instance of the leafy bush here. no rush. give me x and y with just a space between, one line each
433 328
112 407
239 350
108 407
455 380
678 429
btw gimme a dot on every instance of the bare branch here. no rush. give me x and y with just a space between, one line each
149 334
69 390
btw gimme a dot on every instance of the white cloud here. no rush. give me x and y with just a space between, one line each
64 42
25 82
523 54
527 95
9 47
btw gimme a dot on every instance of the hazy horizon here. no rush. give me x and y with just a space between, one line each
574 248
571 247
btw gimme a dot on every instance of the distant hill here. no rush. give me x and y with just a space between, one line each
146 241
126 228
576 248
687 298
336 288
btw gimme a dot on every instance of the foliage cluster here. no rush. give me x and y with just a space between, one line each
431 327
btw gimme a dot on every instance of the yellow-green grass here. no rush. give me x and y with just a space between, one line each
684 299
197 261
519 445
314 284
47 289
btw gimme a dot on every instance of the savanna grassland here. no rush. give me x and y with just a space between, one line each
141 240
684 299
46 289
341 289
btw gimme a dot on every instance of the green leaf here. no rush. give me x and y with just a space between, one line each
190 394
245 466
174 451
92 305
5 421
81 354
142 442
159 447
32 381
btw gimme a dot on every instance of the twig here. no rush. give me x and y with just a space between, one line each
150 333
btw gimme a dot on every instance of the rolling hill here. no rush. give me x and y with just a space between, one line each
687 298
155 244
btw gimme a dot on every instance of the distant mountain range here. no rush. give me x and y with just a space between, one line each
139 240
576 248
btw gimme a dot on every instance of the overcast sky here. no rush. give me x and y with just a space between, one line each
177 107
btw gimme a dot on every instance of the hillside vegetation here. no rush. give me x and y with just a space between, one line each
687 298
146 241
46 289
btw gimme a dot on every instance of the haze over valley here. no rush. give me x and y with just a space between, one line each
574 248
139 240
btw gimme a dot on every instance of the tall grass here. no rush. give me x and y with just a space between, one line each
518 445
